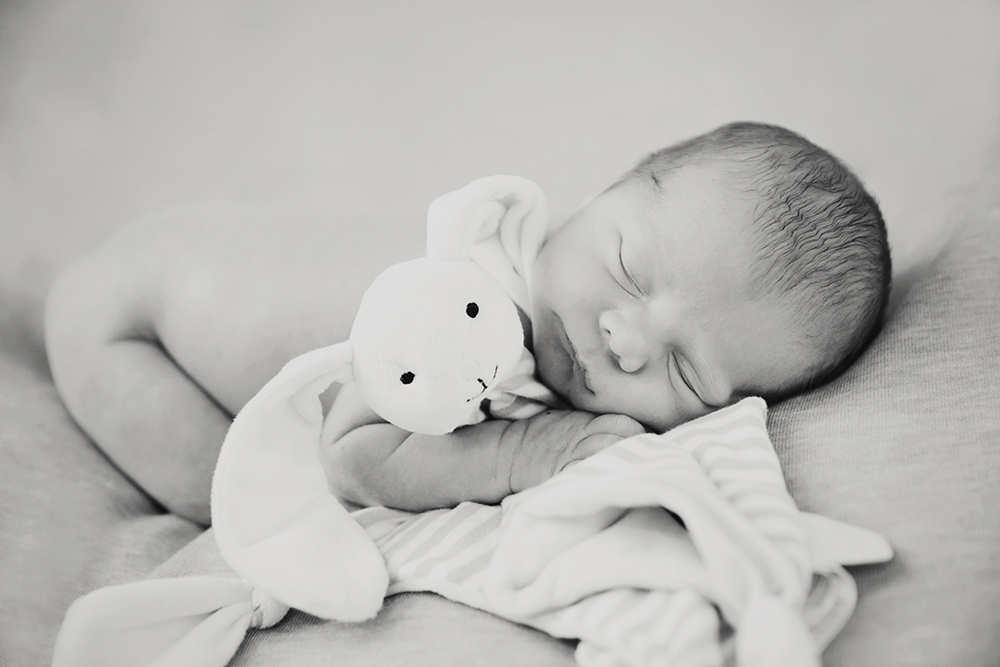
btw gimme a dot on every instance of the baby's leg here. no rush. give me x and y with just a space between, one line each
157 338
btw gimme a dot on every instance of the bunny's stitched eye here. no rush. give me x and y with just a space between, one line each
472 309
407 377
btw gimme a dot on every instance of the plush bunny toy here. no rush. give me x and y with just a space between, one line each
432 339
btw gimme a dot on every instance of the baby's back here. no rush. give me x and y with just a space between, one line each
230 290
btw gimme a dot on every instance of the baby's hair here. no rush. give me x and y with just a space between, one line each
821 238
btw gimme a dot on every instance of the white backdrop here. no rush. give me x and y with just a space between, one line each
114 107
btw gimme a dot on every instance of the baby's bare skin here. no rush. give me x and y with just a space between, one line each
160 335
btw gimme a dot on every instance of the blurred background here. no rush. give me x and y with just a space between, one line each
111 108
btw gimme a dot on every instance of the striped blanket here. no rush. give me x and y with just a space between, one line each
680 549
651 552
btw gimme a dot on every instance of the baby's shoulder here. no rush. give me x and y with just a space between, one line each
232 290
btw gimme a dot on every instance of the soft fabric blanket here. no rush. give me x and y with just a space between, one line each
599 553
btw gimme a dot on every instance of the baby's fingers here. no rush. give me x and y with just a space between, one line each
613 424
594 443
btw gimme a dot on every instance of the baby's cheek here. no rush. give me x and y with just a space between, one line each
653 406
677 416
554 368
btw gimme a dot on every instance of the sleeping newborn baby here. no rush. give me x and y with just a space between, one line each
746 261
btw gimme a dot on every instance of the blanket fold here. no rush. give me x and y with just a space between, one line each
196 621
702 509
275 522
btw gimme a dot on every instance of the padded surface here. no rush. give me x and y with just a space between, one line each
908 443
69 521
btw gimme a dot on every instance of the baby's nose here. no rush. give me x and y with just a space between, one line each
624 340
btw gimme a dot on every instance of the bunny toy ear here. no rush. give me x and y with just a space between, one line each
498 221
276 523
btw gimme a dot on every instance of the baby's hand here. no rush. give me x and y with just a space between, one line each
545 444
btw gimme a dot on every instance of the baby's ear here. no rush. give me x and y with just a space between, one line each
499 221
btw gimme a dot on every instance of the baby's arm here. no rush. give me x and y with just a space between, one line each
160 335
118 381
369 462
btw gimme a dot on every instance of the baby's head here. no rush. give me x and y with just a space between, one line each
746 261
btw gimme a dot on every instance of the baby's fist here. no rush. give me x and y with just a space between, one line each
545 444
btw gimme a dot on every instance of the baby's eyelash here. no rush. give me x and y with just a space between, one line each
628 276
680 371
684 377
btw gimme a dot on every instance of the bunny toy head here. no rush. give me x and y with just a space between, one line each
431 339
